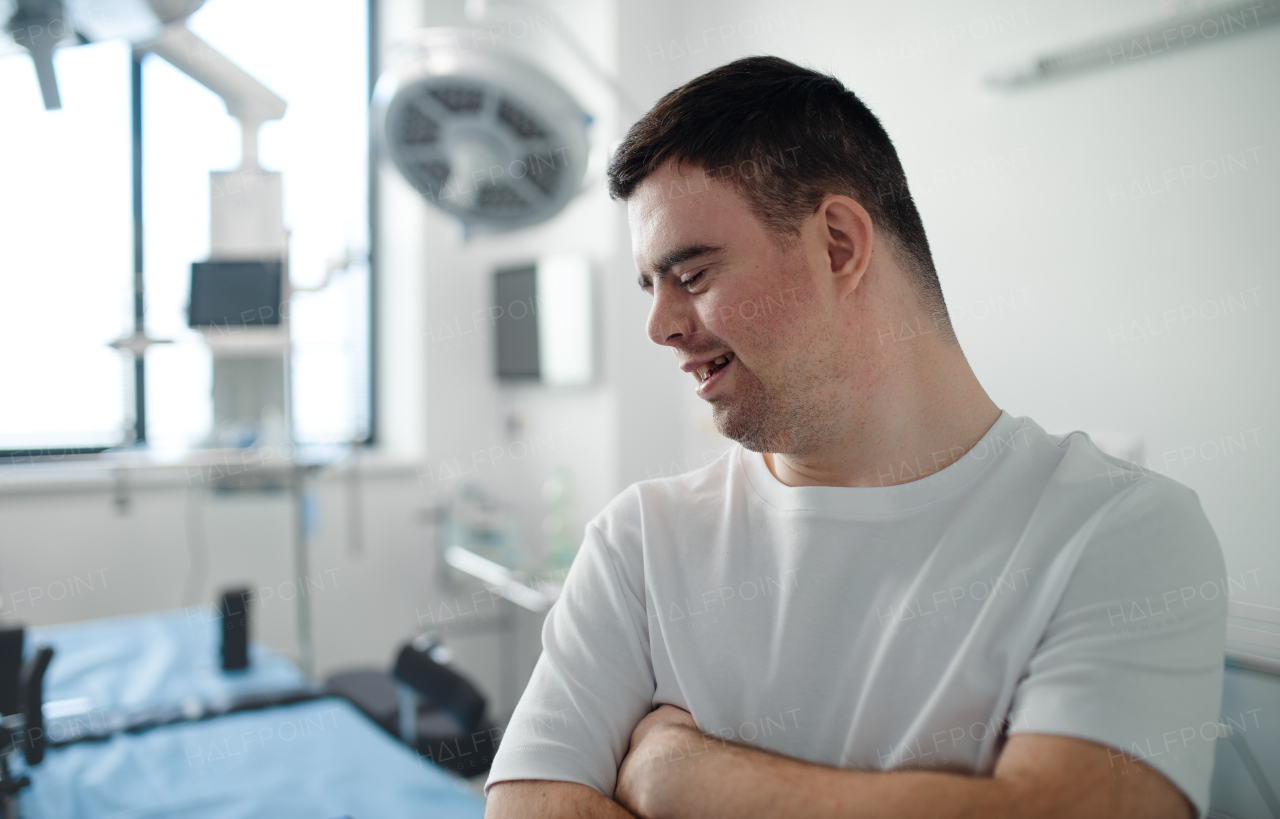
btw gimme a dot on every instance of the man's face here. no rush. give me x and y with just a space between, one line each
728 289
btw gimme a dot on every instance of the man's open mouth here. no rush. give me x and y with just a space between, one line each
707 370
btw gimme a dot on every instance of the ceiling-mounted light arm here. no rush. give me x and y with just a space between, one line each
338 264
248 100
38 26
1174 34
478 10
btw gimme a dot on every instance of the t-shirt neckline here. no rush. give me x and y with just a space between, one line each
881 500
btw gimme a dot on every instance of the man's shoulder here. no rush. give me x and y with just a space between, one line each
1079 469
1131 512
1070 491
667 500
1124 477
684 484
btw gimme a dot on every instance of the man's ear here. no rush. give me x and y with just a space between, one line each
847 231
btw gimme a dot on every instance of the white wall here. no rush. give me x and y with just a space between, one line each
626 426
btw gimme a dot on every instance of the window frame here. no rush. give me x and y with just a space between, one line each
47 454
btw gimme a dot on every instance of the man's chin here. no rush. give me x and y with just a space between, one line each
750 429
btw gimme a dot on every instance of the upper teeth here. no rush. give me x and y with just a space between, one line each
704 372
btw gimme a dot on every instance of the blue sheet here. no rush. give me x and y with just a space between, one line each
152 660
319 760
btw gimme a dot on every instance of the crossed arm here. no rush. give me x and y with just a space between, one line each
674 770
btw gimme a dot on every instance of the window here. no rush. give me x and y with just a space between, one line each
65 214
66 277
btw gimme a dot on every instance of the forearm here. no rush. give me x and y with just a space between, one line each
690 774
681 772
684 773
540 799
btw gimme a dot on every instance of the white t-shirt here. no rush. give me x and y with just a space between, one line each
1035 585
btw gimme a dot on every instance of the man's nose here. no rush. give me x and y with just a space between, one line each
671 320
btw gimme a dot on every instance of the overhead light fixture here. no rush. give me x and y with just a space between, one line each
1206 25
40 26
481 132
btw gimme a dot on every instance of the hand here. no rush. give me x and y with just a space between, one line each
639 772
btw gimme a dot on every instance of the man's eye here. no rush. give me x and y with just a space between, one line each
693 278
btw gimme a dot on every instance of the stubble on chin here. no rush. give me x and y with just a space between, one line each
794 418
752 417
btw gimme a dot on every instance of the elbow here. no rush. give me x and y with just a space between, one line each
646 789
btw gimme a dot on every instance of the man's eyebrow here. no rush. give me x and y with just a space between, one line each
674 257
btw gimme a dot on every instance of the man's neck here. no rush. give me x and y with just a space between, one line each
925 409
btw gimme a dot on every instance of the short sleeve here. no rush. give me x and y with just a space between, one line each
1133 656
594 681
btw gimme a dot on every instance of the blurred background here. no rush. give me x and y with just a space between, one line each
1100 197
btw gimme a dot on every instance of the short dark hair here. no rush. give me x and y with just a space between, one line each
785 137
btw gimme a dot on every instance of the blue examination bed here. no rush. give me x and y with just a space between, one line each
319 759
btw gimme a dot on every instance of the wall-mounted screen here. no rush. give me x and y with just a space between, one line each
543 320
235 293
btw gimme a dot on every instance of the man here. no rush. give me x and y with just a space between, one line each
893 599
